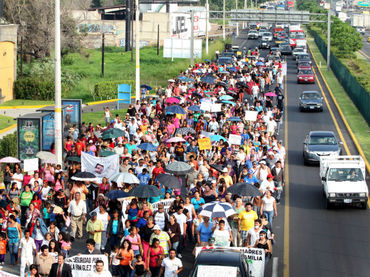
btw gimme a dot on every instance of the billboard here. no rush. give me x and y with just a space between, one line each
48 131
180 48
181 24
72 113
28 137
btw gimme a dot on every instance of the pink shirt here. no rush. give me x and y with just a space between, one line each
134 239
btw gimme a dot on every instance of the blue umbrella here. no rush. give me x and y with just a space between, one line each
234 118
217 138
194 108
232 69
175 109
226 97
208 79
207 61
185 79
115 194
228 102
260 63
147 87
147 146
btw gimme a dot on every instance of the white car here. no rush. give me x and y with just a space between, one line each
297 51
261 31
267 36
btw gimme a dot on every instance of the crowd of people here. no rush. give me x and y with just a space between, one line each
43 213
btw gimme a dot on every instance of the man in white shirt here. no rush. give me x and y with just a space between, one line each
36 177
267 184
119 149
77 213
271 126
253 234
18 178
99 271
25 253
171 266
213 126
181 220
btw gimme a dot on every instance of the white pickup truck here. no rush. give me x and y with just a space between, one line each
343 180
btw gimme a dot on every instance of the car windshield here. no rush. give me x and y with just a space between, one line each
304 64
304 57
298 50
345 174
267 34
304 72
310 96
322 140
211 270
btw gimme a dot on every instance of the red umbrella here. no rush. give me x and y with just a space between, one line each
172 100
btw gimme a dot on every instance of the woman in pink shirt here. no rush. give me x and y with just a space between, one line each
135 240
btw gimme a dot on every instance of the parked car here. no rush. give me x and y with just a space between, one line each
305 77
264 44
253 34
298 51
310 101
361 30
221 257
285 49
320 143
261 31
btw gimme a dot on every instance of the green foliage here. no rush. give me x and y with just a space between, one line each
97 3
34 89
8 145
108 89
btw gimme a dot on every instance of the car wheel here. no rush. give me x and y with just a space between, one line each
321 110
364 206
300 109
328 205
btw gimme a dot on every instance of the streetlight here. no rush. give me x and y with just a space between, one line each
137 52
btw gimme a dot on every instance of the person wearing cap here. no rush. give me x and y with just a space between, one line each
263 171
226 176
251 178
267 184
163 237
95 228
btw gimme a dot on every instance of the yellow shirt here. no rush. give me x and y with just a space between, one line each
228 180
95 226
247 219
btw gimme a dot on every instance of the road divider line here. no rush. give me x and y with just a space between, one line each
275 266
364 54
2 131
286 204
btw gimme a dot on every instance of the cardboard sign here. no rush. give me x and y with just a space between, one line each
251 115
235 139
166 204
204 144
206 106
31 164
215 108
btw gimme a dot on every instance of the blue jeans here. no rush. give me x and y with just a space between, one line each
278 185
175 245
13 250
269 215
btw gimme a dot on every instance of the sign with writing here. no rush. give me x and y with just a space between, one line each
72 114
251 115
84 264
204 143
255 257
28 138
31 164
216 271
235 139
206 106
215 108
48 131
166 204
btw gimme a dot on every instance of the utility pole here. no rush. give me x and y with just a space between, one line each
58 87
102 54
224 21
158 41
128 27
245 7
207 11
137 52
192 37
329 31
237 22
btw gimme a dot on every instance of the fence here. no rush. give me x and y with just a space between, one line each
355 91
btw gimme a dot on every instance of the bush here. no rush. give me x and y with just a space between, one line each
8 145
34 89
108 89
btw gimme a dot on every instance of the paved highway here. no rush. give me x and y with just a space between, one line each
365 51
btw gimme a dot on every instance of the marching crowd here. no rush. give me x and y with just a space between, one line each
42 213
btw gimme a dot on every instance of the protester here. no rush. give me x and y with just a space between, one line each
60 269
44 261
99 270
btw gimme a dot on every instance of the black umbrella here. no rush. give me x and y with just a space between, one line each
217 167
178 168
169 181
145 191
115 194
222 84
84 176
244 189
74 159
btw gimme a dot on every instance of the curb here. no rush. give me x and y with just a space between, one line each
8 128
355 141
22 107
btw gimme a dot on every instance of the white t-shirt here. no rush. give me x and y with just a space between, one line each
221 237
171 266
181 219
266 184
254 235
105 273
268 204
160 220
18 176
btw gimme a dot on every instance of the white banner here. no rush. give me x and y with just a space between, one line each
100 166
251 115
6 274
255 257
166 204
30 164
216 108
84 264
206 106
216 271
235 139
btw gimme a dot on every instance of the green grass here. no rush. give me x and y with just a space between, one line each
20 102
354 118
98 117
6 121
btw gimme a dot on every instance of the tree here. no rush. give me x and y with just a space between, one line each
97 3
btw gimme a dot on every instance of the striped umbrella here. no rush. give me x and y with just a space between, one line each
185 131
217 209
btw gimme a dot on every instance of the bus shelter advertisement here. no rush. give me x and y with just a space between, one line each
28 138
72 114
48 131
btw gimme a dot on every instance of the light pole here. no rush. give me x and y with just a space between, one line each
328 48
224 21
192 37
237 22
207 11
137 52
58 87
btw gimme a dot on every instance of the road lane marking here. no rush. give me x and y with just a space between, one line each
364 54
286 204
275 266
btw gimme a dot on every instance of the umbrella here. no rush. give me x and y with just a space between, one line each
218 167
145 191
147 87
169 181
228 102
234 118
125 177
171 80
45 155
84 176
194 108
175 109
9 160
208 79
115 194
226 97
50 161
112 133
244 189
106 153
74 159
175 139
205 99
217 209
172 100
185 79
179 168
185 131
222 84
271 94
147 146
232 69
260 64
195 94
97 134
217 138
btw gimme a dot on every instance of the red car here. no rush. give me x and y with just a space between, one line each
305 76
304 66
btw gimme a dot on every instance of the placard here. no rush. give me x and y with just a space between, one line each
28 138
251 115
84 264
216 271
48 131
206 106
100 166
31 165
215 108
235 139
166 204
204 144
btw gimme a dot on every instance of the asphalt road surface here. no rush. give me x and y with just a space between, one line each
365 51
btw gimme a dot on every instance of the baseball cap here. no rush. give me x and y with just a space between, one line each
156 227
270 176
250 171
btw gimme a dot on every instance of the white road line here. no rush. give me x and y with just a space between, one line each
275 264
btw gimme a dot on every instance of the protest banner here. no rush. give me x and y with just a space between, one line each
216 271
204 144
166 204
255 257
31 164
251 115
235 140
206 106
215 108
100 166
6 274
83 264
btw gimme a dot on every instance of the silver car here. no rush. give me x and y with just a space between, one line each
298 51
267 36
310 101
